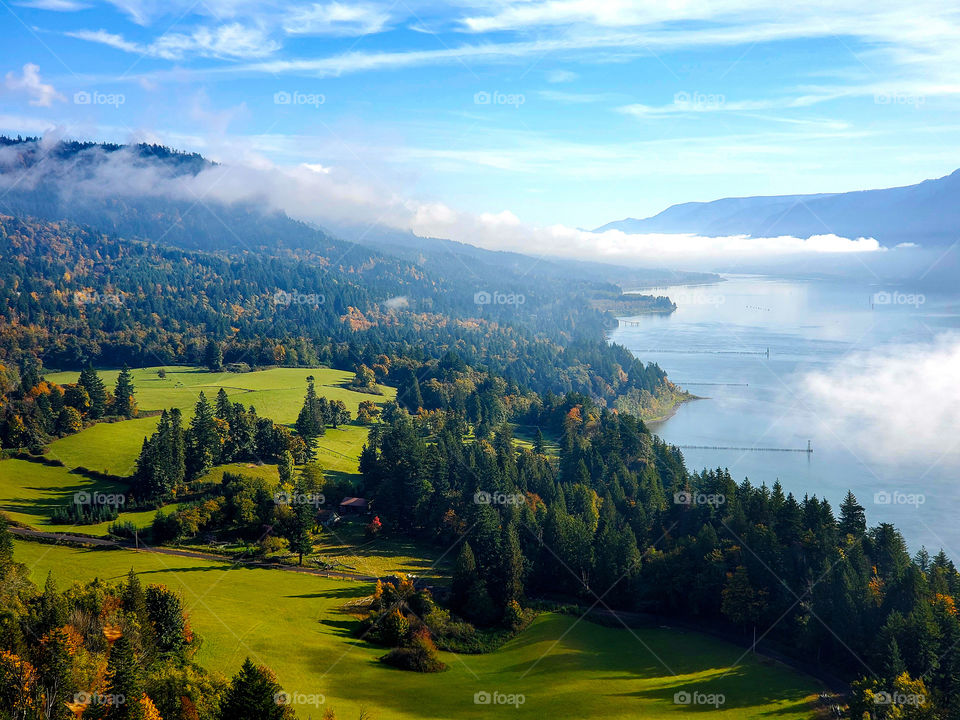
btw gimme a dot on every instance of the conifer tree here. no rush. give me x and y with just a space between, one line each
853 520
97 393
124 680
253 695
123 401
213 356
203 442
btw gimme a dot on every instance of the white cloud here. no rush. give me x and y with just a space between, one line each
317 168
893 403
39 93
504 231
25 124
561 76
54 5
333 197
231 41
573 98
334 18
397 303
107 38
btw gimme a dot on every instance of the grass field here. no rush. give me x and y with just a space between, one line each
276 393
347 546
564 668
29 493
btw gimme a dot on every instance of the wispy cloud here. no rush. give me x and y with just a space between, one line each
231 41
334 18
54 5
39 93
574 98
561 76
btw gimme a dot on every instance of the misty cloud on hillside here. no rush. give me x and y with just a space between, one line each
330 196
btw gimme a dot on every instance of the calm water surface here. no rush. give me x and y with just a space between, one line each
752 400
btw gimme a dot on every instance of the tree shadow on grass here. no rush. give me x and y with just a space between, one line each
352 591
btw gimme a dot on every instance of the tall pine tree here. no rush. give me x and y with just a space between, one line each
123 401
91 382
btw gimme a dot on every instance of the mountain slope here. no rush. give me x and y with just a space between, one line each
927 213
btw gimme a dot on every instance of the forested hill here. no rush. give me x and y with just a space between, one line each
65 181
72 295
87 276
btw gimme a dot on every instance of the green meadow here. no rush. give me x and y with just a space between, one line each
276 393
30 491
563 667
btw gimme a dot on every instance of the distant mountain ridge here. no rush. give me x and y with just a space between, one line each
927 213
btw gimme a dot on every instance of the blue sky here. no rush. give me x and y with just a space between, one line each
569 112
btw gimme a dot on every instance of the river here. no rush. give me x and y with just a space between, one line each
867 375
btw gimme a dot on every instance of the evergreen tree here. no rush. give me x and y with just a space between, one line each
285 468
224 408
508 585
538 442
253 695
177 447
304 518
165 611
6 548
54 673
853 519
311 420
202 442
408 388
123 400
893 664
213 356
124 680
464 575
135 603
96 392
51 609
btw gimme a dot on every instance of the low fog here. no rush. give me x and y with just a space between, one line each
330 197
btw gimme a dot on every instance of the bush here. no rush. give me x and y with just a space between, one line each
122 528
422 603
513 615
420 656
394 629
274 544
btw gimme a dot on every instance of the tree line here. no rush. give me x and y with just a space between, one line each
618 516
